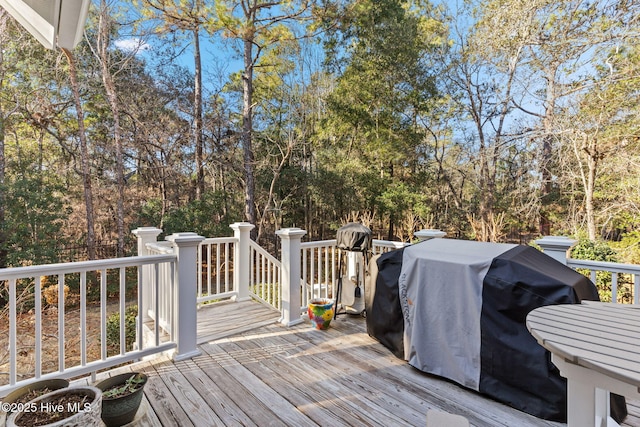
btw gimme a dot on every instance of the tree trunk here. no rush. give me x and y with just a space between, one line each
591 183
3 237
485 196
588 175
547 151
197 107
84 157
112 97
247 130
392 216
272 190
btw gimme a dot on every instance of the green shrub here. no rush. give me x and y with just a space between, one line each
629 247
601 251
113 329
595 251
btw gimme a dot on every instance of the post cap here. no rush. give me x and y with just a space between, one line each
186 237
288 233
556 242
429 233
149 231
242 226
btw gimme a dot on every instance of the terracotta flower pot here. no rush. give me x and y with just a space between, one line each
121 409
320 311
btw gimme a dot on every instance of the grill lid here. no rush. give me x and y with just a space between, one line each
354 237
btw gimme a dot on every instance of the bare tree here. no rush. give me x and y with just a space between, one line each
191 17
4 115
112 63
84 156
258 26
557 42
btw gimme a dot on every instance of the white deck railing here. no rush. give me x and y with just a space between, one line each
215 267
265 282
383 246
159 310
320 264
628 274
118 275
319 269
170 279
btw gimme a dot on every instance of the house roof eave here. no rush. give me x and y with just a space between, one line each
54 23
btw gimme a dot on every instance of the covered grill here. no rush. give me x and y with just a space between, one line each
353 238
457 309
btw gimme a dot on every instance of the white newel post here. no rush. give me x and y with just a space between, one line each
290 239
146 235
556 247
428 234
242 260
185 298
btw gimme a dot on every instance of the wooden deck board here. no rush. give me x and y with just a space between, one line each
280 377
354 379
318 385
169 409
260 401
225 394
226 318
255 372
392 373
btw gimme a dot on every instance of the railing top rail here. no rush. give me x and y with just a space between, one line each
318 243
332 242
160 243
160 247
213 240
604 265
390 243
263 252
76 267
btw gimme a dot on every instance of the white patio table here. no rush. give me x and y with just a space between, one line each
596 346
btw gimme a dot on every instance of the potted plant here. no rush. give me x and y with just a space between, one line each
121 397
70 406
28 392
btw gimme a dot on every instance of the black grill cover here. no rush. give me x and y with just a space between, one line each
382 301
354 237
514 368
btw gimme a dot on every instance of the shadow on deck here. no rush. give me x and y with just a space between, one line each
254 371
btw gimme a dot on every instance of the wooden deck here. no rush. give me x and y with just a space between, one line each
256 372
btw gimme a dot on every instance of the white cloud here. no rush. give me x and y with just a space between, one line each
132 45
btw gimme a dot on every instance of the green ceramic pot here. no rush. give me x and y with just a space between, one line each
118 411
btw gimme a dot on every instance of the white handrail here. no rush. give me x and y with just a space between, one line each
265 280
28 280
381 246
615 270
604 266
215 265
319 270
320 264
101 264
